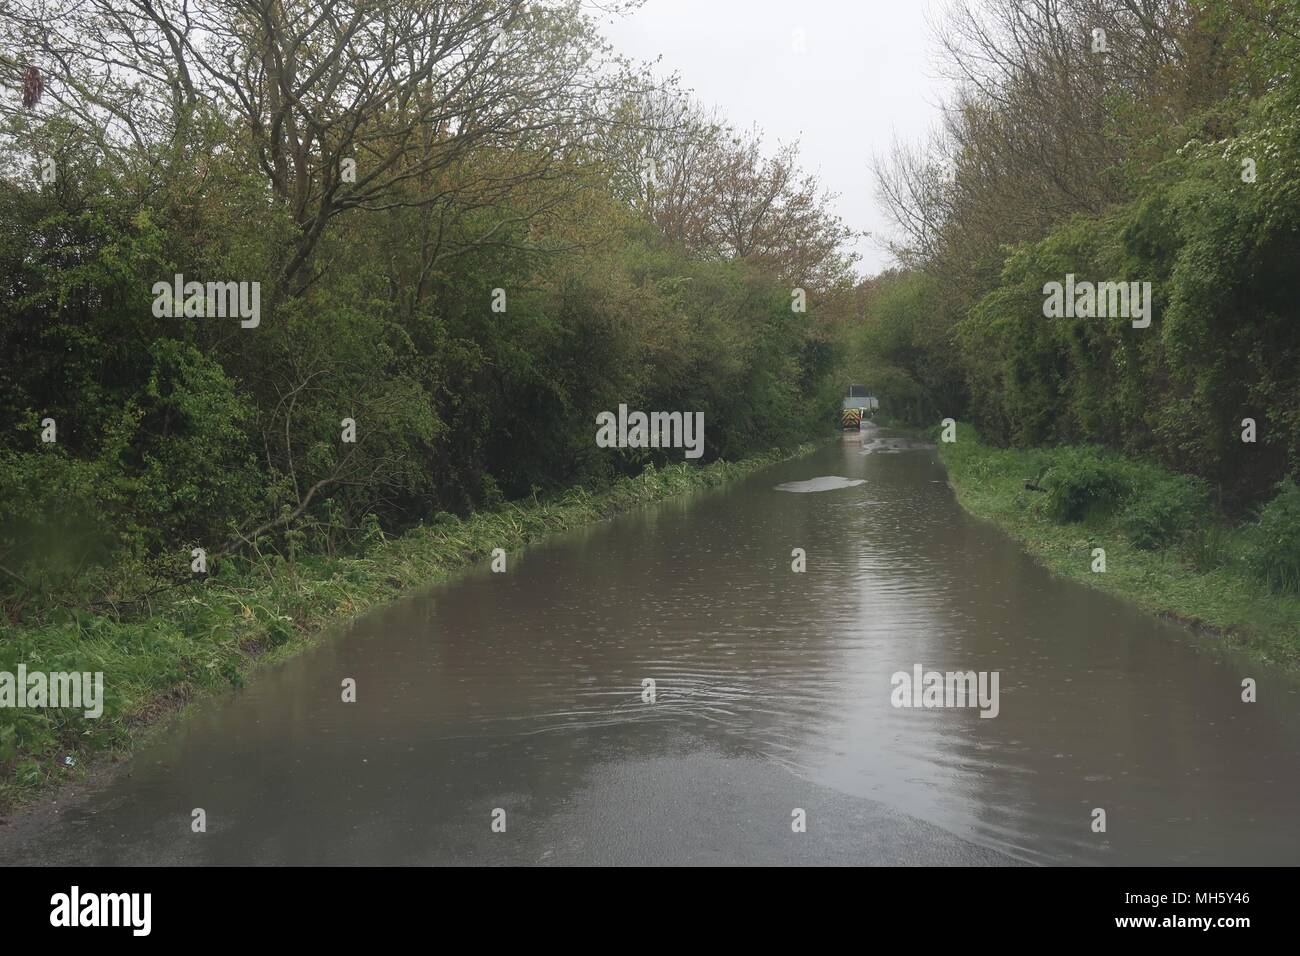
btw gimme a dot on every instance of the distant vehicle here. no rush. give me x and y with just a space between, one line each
857 401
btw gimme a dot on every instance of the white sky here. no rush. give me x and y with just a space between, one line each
867 74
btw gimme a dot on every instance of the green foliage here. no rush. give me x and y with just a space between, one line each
52 524
1084 482
1217 245
178 433
191 464
1162 510
907 349
1223 345
1274 555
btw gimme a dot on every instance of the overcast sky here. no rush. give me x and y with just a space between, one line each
866 74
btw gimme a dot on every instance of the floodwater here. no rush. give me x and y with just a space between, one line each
520 698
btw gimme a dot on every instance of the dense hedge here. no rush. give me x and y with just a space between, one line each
1199 196
182 433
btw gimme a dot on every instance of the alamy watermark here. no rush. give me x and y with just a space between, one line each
80 690
213 300
75 908
1102 300
946 689
651 430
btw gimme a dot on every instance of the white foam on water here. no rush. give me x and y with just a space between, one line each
825 483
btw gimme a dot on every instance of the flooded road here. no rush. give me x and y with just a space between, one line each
523 692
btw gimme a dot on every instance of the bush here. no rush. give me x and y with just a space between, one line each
54 520
1162 513
1274 554
1083 481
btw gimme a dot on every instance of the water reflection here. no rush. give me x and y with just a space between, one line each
523 691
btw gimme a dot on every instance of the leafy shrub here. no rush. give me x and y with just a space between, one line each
53 519
1274 554
1083 481
1162 513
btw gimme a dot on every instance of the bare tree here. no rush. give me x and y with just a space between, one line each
1035 132
343 104
719 194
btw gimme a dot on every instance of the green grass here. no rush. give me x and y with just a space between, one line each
1203 579
205 637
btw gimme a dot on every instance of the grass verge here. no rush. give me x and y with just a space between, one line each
206 636
1182 560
